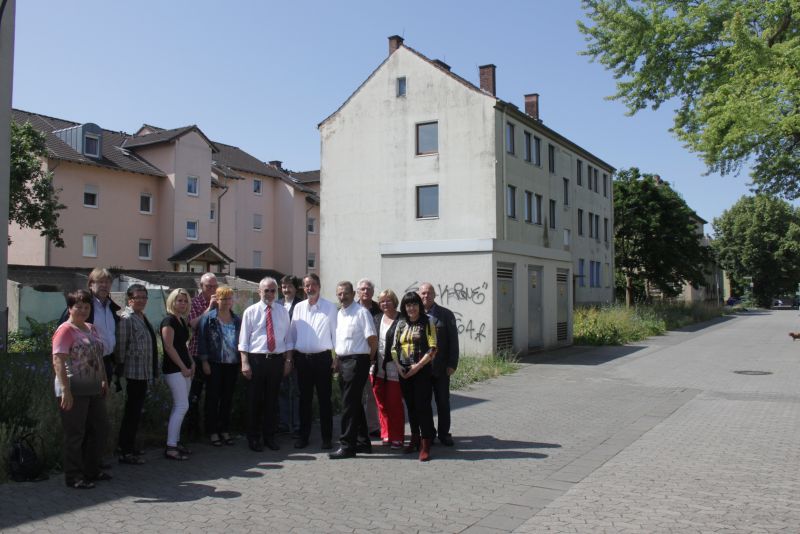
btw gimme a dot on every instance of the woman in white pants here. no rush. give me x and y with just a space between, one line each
178 369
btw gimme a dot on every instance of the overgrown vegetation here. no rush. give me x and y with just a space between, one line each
617 325
472 369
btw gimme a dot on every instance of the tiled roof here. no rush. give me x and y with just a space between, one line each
194 250
164 136
114 157
237 159
306 177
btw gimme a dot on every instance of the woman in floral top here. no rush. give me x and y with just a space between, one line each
81 388
218 338
415 345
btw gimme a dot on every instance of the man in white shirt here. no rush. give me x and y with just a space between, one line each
365 290
314 336
265 344
356 344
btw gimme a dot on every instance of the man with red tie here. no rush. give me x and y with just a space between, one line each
266 346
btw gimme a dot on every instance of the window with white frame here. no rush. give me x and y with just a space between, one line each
311 260
91 196
145 249
212 212
257 221
427 201
90 246
311 225
191 230
427 138
145 203
256 186
511 201
256 259
191 186
91 145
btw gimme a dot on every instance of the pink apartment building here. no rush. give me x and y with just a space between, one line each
170 200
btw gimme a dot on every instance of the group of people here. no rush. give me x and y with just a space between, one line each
396 350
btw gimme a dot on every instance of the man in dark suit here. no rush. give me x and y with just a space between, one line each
446 361
289 396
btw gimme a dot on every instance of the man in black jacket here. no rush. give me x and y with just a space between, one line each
103 315
446 361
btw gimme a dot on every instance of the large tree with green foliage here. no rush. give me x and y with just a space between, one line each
733 65
33 202
655 236
759 237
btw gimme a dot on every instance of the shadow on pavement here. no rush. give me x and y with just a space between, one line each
583 355
706 324
486 447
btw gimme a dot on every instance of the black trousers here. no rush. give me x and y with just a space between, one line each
441 394
221 384
417 393
199 380
135 391
353 374
314 372
262 394
85 432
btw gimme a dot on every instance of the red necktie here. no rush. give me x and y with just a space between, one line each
270 331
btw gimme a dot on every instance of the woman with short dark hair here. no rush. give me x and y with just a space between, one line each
415 346
81 388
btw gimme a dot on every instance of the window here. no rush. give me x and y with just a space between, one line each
591 224
91 145
509 138
596 189
605 229
581 273
528 206
579 173
256 186
90 196
427 201
145 249
191 186
551 158
145 203
567 235
256 259
528 146
311 225
580 222
537 214
605 185
401 86
90 246
597 280
566 192
511 201
311 260
257 221
597 227
552 213
537 151
588 176
191 230
428 138
212 212
608 275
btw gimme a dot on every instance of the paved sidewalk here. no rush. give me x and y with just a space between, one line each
658 437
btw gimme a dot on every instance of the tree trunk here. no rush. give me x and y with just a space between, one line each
628 291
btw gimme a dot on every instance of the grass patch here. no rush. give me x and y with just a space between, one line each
617 325
472 369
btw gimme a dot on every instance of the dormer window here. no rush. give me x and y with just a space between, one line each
91 145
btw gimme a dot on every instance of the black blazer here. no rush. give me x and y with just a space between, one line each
446 339
291 308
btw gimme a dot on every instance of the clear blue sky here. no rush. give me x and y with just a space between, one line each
262 75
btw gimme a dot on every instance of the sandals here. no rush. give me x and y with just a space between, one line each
131 459
227 439
216 440
183 448
81 484
174 453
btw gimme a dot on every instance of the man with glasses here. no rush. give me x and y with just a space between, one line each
265 344
366 289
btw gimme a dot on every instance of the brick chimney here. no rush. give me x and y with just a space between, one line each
532 105
395 41
276 163
487 79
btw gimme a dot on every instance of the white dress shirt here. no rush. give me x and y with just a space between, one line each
354 325
314 327
253 337
105 325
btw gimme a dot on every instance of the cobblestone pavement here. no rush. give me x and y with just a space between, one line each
658 437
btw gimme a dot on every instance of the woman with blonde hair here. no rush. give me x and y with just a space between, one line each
178 368
217 342
384 374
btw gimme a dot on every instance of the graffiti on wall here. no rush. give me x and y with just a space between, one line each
459 293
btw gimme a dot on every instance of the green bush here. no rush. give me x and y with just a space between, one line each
617 325
473 369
